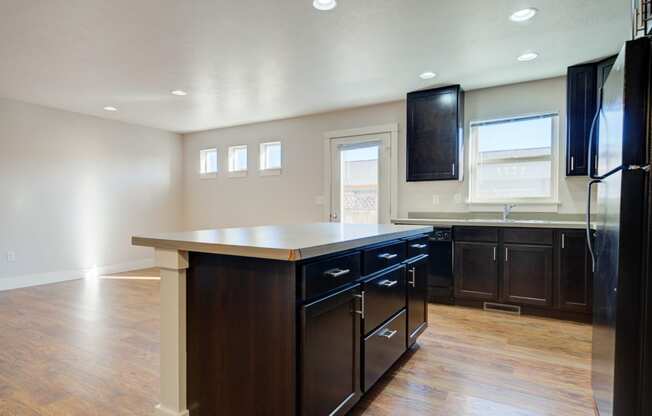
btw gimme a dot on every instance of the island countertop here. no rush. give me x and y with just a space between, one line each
281 242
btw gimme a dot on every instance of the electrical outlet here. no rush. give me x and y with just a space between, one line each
11 256
435 199
458 198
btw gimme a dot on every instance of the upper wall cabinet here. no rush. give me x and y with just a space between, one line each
581 105
584 83
434 134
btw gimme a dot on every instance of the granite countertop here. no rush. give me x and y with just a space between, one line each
280 242
494 219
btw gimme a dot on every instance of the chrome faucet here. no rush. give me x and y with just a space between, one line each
507 209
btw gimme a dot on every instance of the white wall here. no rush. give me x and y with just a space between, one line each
75 189
291 197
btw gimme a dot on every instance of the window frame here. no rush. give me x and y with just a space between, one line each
242 172
202 162
265 171
472 199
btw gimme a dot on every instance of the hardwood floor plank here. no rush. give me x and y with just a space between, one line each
91 347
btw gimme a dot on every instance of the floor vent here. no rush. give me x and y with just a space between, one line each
502 308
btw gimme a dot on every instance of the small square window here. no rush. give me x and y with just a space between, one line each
270 157
238 160
208 162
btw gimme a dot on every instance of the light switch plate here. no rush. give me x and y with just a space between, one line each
11 256
435 199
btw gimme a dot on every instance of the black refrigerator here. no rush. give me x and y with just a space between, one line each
620 239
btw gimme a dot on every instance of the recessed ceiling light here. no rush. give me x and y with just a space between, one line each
110 108
523 15
427 75
528 56
324 4
180 93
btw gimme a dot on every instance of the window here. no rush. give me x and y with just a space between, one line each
208 163
238 160
270 158
514 160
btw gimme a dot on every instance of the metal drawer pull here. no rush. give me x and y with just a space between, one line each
387 256
361 297
494 253
337 272
388 283
388 333
563 240
418 246
413 272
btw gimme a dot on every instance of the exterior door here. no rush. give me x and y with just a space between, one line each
359 182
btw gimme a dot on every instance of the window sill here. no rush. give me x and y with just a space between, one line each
238 174
520 206
208 175
269 172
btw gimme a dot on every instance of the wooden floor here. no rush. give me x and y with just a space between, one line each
90 347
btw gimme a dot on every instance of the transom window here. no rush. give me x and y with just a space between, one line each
514 160
270 156
238 159
208 162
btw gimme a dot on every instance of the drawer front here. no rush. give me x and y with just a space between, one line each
321 276
475 234
383 297
380 257
383 348
417 247
527 236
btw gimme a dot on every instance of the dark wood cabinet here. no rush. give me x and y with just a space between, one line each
527 274
574 276
603 68
417 298
330 354
476 270
434 134
384 295
381 349
581 105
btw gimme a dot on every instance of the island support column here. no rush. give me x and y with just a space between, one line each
173 265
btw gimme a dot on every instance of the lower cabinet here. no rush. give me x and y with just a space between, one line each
330 354
382 348
476 271
574 276
417 298
527 274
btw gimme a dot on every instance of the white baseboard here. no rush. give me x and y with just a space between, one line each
164 411
36 279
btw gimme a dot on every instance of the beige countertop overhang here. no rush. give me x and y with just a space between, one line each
280 242
485 222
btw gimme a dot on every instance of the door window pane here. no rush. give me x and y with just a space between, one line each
359 184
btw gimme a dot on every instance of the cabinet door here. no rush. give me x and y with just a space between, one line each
434 134
603 68
329 352
580 107
573 272
417 298
527 274
476 271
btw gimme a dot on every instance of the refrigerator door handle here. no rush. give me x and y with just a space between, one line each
589 243
593 166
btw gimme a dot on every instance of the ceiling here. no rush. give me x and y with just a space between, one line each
251 60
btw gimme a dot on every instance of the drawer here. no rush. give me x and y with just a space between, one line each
417 246
384 295
527 236
382 256
328 274
382 348
475 234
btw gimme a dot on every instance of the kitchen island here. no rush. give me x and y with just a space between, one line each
285 320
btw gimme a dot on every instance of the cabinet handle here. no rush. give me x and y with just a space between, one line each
388 333
506 254
388 283
494 253
572 163
387 256
337 272
413 272
361 297
418 246
453 168
563 240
